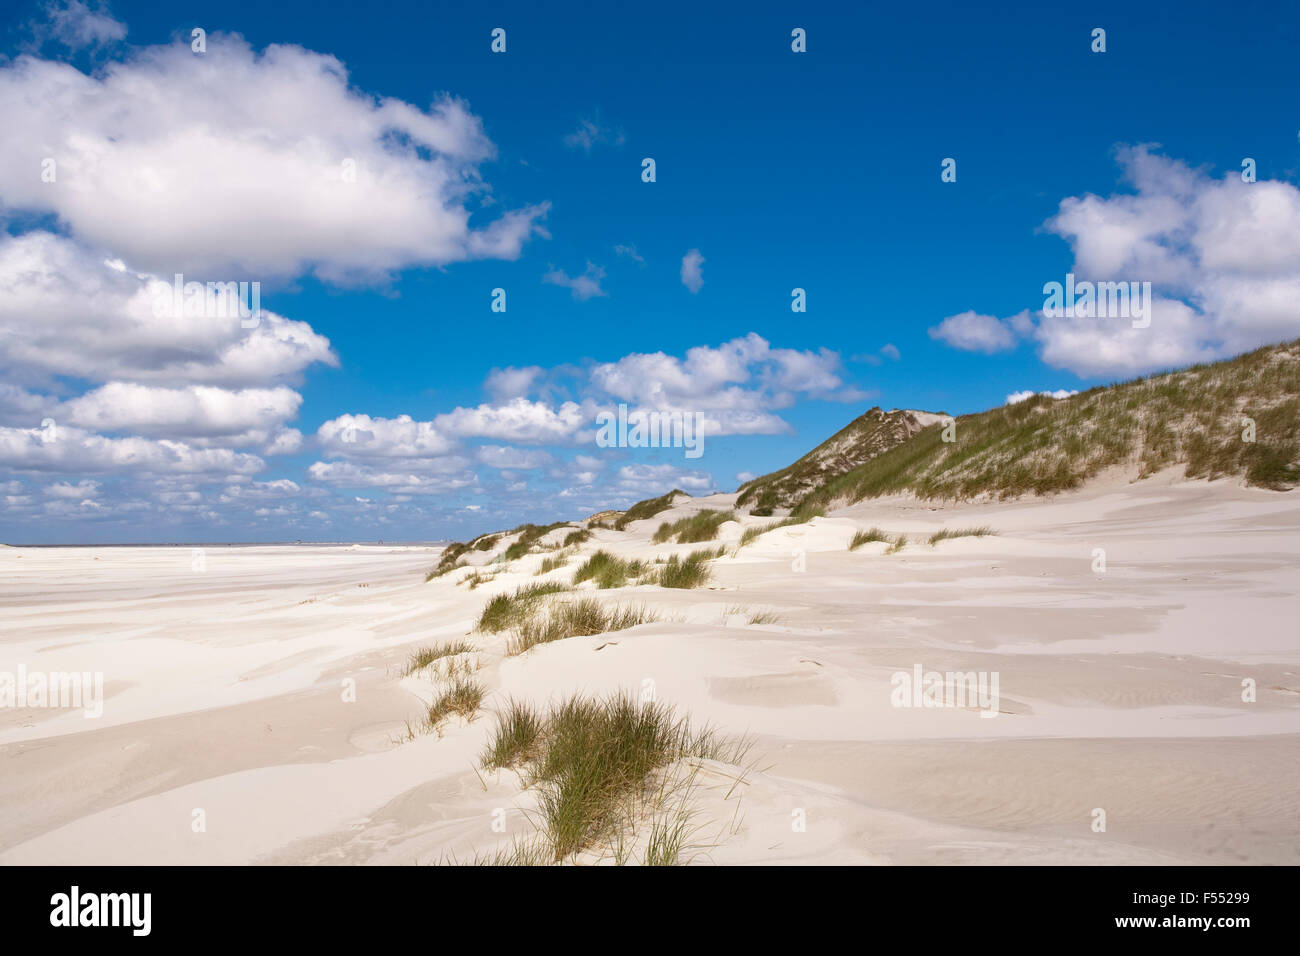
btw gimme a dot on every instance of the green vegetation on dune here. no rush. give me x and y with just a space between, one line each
592 763
1239 417
529 534
945 533
867 537
756 531
1197 417
585 617
609 571
424 656
868 435
507 610
449 560
689 572
462 698
701 526
647 509
552 563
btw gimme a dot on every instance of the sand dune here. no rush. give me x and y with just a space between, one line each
1119 690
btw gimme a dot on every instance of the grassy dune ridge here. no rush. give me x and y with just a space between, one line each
1196 417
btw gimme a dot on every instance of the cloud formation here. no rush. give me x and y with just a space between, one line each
66 312
692 271
583 287
974 332
591 132
1222 256
181 161
78 25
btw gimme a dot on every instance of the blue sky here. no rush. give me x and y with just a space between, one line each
817 170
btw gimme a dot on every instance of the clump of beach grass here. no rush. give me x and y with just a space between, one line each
946 533
461 698
609 571
644 509
506 610
752 534
689 572
701 526
519 728
424 656
552 563
475 579
581 618
593 762
529 535
520 852
898 544
669 837
441 569
867 537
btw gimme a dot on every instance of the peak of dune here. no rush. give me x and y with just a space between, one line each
870 434
1238 418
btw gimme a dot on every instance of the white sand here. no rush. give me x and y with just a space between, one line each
1119 690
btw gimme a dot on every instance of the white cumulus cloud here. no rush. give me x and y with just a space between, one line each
692 270
236 163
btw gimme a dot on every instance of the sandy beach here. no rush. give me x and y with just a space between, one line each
260 690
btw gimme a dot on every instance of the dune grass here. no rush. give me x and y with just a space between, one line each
476 578
866 537
752 534
701 526
520 852
609 571
519 728
867 436
449 560
581 618
553 563
646 509
506 610
462 698
764 617
749 535
529 534
575 538
668 838
946 533
689 572
593 762
898 544
1042 446
424 656
440 570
